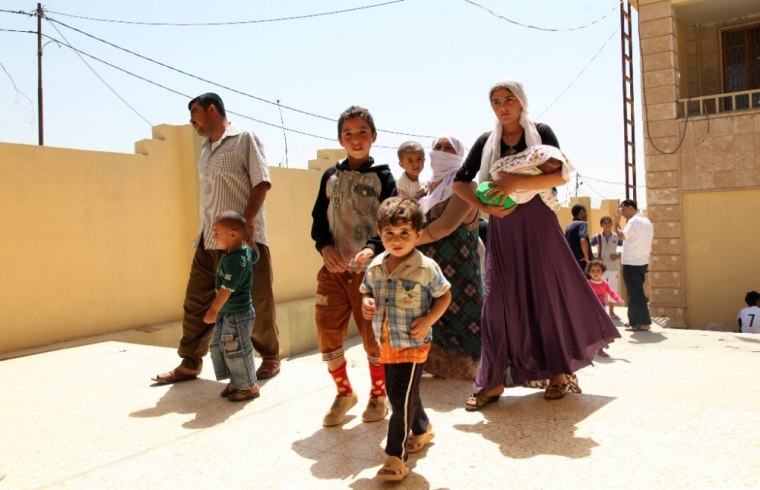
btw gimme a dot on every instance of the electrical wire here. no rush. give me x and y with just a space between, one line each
589 186
609 182
177 92
163 86
260 99
20 12
194 24
579 74
546 29
102 80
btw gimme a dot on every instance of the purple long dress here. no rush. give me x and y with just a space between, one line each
540 316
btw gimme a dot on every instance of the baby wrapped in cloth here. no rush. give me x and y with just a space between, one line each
535 160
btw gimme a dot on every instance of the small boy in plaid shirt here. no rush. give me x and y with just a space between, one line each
405 293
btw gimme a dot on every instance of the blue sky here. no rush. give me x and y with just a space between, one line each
420 66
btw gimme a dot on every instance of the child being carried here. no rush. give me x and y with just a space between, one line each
535 160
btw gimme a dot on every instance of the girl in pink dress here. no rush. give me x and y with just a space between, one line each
595 270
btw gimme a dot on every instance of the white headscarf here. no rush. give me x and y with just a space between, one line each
492 148
445 166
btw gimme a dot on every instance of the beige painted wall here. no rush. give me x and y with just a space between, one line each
99 242
720 244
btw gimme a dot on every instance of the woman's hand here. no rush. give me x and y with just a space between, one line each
505 185
497 211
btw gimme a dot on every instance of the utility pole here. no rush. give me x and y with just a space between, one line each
629 129
40 125
577 184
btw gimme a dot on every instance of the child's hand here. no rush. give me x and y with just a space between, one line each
210 316
420 327
361 258
333 260
368 308
614 256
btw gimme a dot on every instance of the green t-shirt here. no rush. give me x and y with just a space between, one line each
235 274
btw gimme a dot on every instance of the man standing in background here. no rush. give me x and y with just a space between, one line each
638 235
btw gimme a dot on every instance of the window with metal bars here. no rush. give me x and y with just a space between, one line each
741 66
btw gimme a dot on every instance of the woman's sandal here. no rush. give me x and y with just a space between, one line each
416 443
480 400
393 470
561 389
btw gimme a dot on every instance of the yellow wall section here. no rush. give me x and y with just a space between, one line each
721 235
98 242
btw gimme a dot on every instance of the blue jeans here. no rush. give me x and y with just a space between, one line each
232 349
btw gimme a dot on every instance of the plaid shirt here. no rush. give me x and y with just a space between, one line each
403 295
228 170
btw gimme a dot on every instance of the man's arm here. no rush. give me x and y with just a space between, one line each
618 230
255 201
586 248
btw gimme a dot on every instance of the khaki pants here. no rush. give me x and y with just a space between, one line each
200 294
338 297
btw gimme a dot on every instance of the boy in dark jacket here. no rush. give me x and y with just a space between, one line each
344 224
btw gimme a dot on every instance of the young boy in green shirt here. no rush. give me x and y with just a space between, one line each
232 310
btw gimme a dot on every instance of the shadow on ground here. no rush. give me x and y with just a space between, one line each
328 463
199 397
528 426
647 337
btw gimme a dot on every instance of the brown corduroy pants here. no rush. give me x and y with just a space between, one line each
200 294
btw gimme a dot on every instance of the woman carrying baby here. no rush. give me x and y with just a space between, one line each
540 318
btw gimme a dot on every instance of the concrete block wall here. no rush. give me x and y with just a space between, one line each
659 29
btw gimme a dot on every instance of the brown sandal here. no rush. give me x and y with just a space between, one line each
244 395
268 369
228 390
172 377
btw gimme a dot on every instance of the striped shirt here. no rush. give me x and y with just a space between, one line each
228 170
402 296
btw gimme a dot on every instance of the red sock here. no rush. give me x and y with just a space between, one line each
377 373
340 376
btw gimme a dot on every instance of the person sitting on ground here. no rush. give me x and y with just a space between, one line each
411 157
595 270
749 317
232 311
405 294
607 243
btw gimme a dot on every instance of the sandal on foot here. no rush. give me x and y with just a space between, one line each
393 470
601 353
227 391
243 395
417 442
172 377
561 389
480 401
268 369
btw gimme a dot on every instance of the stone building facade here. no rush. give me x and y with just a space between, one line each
701 109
